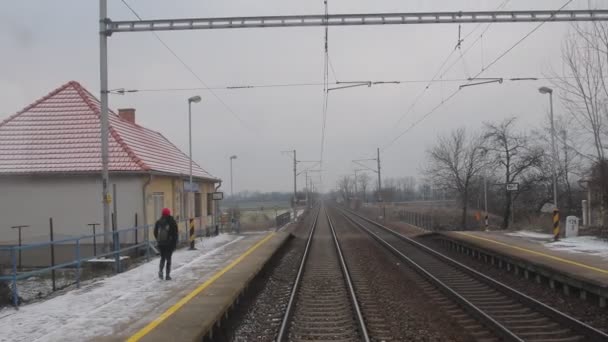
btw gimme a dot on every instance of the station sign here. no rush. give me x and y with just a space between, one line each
218 196
191 187
512 186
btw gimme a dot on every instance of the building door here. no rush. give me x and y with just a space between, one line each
159 203
198 206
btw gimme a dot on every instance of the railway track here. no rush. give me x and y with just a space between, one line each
508 314
323 304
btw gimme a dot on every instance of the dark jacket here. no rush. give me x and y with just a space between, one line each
172 243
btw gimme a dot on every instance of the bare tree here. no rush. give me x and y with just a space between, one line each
511 152
346 186
453 163
364 180
569 162
583 90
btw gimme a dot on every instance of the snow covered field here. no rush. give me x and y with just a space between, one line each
102 306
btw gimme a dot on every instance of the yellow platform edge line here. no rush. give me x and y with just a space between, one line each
566 261
170 311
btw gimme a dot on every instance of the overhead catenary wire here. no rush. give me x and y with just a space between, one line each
333 71
439 73
185 65
316 84
457 91
479 38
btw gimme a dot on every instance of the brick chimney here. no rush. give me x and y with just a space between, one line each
127 114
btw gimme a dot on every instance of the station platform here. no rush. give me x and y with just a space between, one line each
579 263
137 306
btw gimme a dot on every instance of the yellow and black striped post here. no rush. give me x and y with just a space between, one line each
191 234
487 223
555 224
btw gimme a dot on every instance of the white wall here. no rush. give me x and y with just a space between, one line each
72 201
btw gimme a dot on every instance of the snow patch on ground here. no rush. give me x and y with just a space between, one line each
531 235
580 244
98 306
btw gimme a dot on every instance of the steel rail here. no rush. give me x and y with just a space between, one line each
496 327
349 283
282 335
570 322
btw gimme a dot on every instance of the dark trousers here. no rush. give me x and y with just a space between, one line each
165 256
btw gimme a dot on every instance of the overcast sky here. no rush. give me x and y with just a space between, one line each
47 43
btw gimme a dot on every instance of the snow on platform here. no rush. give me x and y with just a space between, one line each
106 307
580 244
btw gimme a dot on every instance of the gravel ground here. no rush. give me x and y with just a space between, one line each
583 310
393 304
258 316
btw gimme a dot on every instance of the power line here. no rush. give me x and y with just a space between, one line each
206 87
333 71
314 84
453 94
433 79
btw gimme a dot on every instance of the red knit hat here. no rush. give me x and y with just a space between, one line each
166 212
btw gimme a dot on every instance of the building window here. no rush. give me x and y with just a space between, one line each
158 199
198 206
209 204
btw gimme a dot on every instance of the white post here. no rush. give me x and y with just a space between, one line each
103 73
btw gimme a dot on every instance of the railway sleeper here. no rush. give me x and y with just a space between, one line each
562 333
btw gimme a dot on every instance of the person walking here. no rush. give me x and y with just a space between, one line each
165 233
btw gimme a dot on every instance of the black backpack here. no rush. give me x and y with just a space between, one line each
163 233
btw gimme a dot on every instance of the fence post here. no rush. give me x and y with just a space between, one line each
136 229
14 262
116 251
52 254
78 263
147 240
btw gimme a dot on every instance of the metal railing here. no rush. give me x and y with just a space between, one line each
76 251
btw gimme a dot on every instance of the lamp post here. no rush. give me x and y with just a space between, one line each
190 221
232 223
546 90
231 179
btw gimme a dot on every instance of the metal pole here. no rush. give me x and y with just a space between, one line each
52 254
356 190
94 241
379 177
20 241
19 247
115 206
231 180
103 73
232 223
485 199
190 214
295 191
554 153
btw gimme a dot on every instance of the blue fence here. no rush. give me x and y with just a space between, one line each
76 251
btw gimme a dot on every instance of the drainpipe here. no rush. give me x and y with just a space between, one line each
215 208
145 204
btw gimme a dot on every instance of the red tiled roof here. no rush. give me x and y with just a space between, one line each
61 133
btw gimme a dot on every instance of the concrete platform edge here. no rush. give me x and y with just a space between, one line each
526 265
197 320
